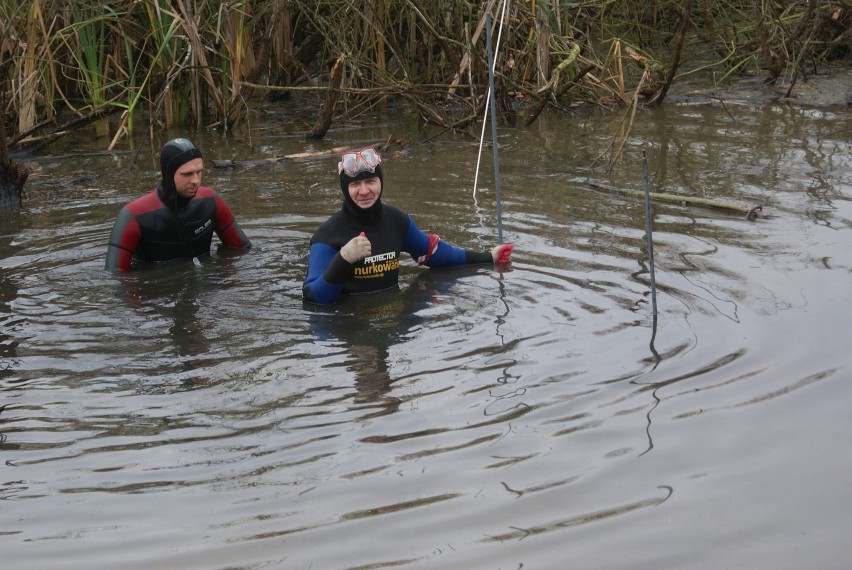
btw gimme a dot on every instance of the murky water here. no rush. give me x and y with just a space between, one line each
204 417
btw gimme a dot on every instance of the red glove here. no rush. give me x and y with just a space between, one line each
502 253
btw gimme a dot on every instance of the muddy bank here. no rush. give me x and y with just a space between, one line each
827 89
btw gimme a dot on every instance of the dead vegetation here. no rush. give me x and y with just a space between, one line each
126 66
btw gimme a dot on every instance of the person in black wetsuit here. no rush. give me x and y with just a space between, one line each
357 249
175 220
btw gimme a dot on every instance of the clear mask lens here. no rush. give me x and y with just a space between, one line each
353 163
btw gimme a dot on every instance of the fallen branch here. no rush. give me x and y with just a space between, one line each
33 143
327 110
329 153
750 212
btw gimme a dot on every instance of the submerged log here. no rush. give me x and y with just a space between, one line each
328 153
327 110
32 142
750 212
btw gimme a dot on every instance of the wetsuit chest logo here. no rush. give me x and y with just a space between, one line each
377 265
204 227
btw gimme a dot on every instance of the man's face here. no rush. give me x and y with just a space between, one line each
365 192
188 177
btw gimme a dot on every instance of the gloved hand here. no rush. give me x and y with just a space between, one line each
502 253
356 249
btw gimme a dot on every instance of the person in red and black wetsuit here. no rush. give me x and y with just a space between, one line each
177 219
357 249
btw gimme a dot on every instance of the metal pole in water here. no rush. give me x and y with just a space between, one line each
494 128
649 232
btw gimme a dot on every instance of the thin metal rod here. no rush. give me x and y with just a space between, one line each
494 129
488 99
649 232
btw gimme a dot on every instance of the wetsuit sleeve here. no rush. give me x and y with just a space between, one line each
429 250
326 273
227 228
123 242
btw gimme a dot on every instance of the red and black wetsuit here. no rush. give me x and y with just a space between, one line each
154 228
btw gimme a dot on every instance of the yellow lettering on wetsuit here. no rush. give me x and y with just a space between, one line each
377 265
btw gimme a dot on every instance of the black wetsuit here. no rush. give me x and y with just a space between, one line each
390 231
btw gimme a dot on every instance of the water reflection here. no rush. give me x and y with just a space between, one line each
368 327
8 342
172 294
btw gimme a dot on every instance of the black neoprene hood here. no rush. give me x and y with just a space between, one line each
173 155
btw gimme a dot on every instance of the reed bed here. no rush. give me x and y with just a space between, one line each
204 63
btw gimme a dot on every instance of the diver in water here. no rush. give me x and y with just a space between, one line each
357 250
175 220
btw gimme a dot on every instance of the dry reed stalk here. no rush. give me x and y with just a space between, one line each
393 47
543 48
619 70
464 65
445 43
164 60
376 25
240 58
200 65
28 78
